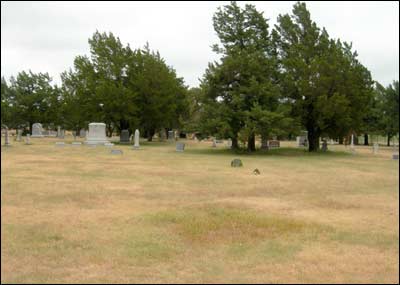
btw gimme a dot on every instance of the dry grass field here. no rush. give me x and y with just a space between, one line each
76 214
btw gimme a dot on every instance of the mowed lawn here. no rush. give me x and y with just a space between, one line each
76 214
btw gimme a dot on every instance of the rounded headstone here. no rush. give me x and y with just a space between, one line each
236 163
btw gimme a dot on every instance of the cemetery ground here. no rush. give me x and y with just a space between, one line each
77 214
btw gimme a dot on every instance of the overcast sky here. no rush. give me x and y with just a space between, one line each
47 36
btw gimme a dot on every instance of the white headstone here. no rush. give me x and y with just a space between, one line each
375 148
28 139
37 130
97 134
214 143
136 145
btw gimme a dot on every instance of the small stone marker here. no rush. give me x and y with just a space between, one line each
74 134
214 143
28 139
236 163
60 143
76 143
116 151
395 156
256 171
180 146
136 139
109 144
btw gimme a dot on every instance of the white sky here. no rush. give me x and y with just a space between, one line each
47 36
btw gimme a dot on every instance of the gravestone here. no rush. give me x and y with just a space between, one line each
375 148
229 143
180 146
19 135
58 131
62 134
136 139
108 144
82 133
214 143
236 163
301 141
324 145
352 149
171 135
60 143
96 134
124 136
274 144
37 130
76 143
6 138
395 154
116 151
162 135
28 139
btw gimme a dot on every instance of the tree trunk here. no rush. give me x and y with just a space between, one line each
150 134
235 143
251 143
366 139
313 140
340 140
355 140
30 128
388 139
264 142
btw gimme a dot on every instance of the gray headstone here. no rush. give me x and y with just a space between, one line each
395 156
62 134
37 130
28 139
19 135
180 146
60 143
82 133
116 151
137 136
124 136
214 143
76 143
109 144
236 163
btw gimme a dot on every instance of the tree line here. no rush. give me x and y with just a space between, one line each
269 81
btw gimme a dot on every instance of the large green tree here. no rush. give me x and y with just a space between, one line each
34 99
328 87
243 82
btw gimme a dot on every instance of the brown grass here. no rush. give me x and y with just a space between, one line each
82 215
